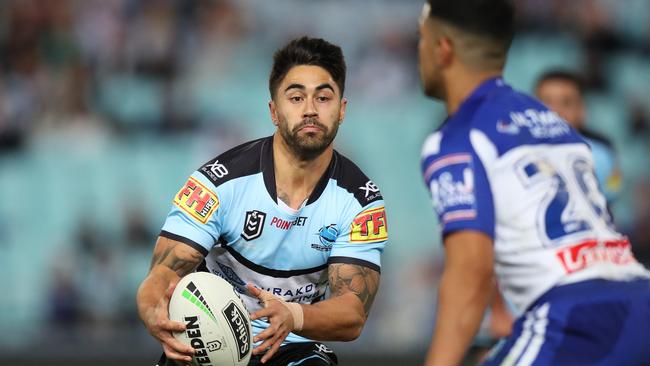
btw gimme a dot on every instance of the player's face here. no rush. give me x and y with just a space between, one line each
564 98
430 70
308 110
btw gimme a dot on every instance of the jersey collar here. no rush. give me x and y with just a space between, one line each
268 172
484 88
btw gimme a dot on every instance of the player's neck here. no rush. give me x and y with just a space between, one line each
295 179
461 84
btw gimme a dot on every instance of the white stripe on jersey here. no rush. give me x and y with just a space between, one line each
539 329
522 340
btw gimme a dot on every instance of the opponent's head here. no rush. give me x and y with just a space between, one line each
306 85
562 92
473 33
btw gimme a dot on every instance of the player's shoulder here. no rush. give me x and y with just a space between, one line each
240 161
350 177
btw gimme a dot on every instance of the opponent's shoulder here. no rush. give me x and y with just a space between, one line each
351 178
240 161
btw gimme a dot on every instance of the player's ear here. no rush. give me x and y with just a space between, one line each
274 112
444 50
344 104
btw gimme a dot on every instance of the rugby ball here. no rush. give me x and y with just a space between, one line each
217 323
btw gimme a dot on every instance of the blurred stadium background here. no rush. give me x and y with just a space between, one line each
106 106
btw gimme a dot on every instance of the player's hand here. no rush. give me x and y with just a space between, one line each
280 322
158 324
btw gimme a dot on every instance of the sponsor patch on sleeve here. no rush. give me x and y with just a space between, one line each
369 226
197 200
451 181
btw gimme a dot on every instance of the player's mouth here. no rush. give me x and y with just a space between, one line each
310 126
311 129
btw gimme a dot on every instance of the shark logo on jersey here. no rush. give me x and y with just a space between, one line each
327 236
253 225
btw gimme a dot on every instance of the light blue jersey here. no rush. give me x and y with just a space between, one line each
229 211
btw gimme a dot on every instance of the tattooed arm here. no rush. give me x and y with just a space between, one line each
342 317
171 260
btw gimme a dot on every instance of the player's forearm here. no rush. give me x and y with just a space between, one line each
153 289
462 300
171 260
340 318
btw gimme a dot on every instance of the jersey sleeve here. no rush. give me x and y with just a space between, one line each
196 214
460 191
363 236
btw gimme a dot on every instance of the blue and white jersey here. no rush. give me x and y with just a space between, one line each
229 211
505 165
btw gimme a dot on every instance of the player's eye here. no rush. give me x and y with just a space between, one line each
295 99
322 98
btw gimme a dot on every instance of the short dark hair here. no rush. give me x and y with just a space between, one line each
490 18
563 75
308 51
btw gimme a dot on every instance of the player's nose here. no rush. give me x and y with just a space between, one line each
310 108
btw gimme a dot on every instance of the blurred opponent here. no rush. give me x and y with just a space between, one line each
562 91
293 225
516 196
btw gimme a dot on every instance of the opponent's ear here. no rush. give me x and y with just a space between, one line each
444 50
274 113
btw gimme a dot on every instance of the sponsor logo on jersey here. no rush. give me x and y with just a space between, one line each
298 294
369 226
370 191
253 225
540 123
197 200
321 348
214 170
286 224
451 181
327 236
239 328
580 256
231 276
193 332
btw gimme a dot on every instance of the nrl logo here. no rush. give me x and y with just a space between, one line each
253 225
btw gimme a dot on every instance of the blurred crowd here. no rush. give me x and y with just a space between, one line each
109 70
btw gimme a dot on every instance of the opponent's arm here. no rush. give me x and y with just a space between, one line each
171 260
463 295
339 318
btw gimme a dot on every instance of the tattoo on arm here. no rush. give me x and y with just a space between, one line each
360 280
180 262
